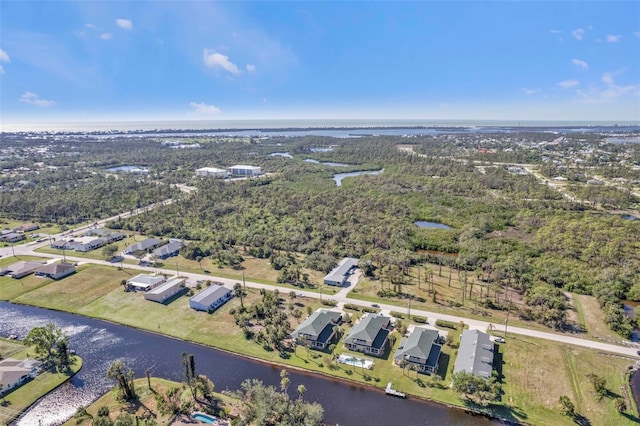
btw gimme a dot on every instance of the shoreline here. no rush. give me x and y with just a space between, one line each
272 364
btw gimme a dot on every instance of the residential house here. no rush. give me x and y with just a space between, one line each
168 250
14 373
165 291
27 227
12 237
20 269
88 244
55 271
62 245
146 245
115 236
318 329
420 351
145 282
210 299
475 354
340 274
241 170
370 335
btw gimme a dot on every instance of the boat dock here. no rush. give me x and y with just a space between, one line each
390 391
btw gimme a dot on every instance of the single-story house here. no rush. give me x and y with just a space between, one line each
115 236
146 245
21 269
212 171
14 373
145 282
62 245
92 244
168 250
475 354
97 232
27 227
340 274
241 170
55 271
165 291
370 335
420 350
211 298
12 237
318 329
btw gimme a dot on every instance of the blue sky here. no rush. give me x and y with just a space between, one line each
155 60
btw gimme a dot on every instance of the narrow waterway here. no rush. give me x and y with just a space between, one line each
99 343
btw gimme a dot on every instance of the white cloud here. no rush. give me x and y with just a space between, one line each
218 60
567 84
528 91
580 63
609 92
106 36
124 23
251 68
91 26
204 109
578 34
613 38
33 99
4 57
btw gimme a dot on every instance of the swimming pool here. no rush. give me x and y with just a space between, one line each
204 418
355 361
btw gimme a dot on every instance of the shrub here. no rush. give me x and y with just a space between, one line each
396 314
420 320
446 324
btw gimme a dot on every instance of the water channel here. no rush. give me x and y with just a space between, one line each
99 343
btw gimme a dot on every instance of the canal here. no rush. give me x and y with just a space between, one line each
99 343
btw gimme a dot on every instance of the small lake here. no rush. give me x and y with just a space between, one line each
129 169
426 224
327 163
338 177
628 217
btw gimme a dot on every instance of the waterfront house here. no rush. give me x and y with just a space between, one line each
370 335
319 329
146 245
20 269
145 282
165 291
13 372
475 354
420 351
210 299
340 274
55 271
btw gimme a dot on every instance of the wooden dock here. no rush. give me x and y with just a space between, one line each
390 391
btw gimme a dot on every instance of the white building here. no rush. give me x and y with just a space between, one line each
212 171
340 274
245 170
210 299
165 291
144 282
14 373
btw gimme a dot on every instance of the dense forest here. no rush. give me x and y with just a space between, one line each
510 230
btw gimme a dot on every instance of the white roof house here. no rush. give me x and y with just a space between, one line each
145 282
211 298
14 372
165 291
242 170
339 275
212 171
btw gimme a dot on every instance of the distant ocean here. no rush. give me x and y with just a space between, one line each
131 126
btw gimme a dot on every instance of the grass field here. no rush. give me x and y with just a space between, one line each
594 320
11 288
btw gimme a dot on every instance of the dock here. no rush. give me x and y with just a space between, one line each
390 391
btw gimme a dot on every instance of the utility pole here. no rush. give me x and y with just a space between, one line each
244 283
177 272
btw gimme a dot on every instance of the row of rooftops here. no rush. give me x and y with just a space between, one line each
238 170
52 270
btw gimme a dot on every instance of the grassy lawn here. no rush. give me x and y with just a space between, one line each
537 372
9 347
594 321
11 288
21 398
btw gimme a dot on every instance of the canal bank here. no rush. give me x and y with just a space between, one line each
100 343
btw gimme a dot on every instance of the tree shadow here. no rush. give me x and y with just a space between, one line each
581 420
631 417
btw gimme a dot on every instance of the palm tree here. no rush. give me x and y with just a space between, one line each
238 291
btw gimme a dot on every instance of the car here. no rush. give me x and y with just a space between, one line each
299 295
375 305
500 340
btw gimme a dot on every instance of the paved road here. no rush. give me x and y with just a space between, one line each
341 297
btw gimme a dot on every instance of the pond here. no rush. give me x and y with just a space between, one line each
628 217
327 163
129 169
426 224
338 177
99 343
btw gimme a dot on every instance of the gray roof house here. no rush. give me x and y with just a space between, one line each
14 373
318 329
168 250
475 354
21 269
339 275
146 245
420 350
165 291
56 271
144 282
210 299
369 335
